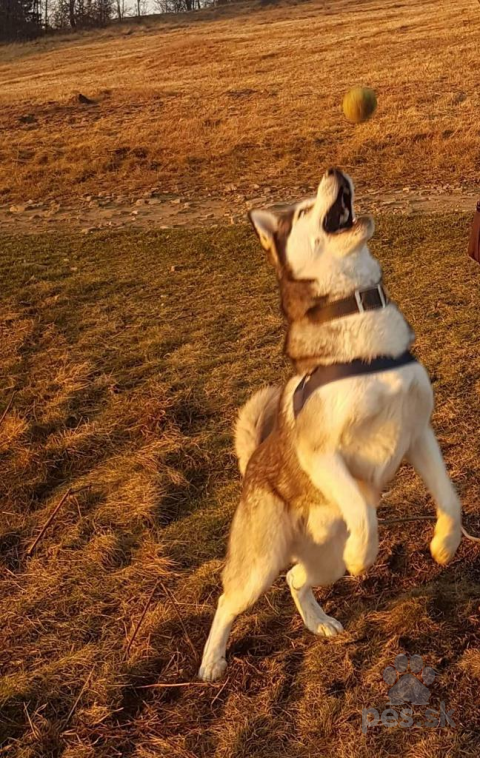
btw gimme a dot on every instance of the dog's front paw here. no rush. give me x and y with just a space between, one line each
360 552
212 670
446 540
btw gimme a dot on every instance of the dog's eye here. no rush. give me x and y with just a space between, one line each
304 211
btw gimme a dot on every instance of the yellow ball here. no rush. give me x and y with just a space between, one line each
359 104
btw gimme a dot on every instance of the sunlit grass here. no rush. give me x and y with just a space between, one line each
125 358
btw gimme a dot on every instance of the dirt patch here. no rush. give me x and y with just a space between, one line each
157 211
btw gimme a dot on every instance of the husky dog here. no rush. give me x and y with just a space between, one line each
317 452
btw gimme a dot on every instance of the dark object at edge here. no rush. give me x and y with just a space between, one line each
85 100
474 244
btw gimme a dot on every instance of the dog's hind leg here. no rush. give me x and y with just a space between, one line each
213 660
426 458
321 564
259 548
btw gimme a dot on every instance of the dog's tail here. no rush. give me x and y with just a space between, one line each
256 420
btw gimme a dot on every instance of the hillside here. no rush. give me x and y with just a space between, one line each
244 96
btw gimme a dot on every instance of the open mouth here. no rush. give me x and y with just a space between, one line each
340 216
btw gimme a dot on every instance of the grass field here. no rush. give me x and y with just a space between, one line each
244 96
125 356
124 359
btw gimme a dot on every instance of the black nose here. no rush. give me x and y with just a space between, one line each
331 171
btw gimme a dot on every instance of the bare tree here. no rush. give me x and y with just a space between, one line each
180 6
121 9
82 13
141 7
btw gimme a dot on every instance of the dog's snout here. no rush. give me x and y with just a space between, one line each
332 171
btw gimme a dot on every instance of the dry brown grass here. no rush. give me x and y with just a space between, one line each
243 96
126 376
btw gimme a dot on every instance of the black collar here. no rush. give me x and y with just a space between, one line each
362 300
332 373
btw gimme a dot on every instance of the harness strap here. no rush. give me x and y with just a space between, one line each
336 371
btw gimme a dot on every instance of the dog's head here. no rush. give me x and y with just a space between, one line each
312 239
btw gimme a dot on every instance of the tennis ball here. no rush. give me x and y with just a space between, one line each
359 104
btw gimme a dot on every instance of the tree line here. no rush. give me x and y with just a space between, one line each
27 19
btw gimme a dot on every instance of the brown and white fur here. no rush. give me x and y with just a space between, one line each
312 483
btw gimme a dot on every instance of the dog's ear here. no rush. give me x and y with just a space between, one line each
266 226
